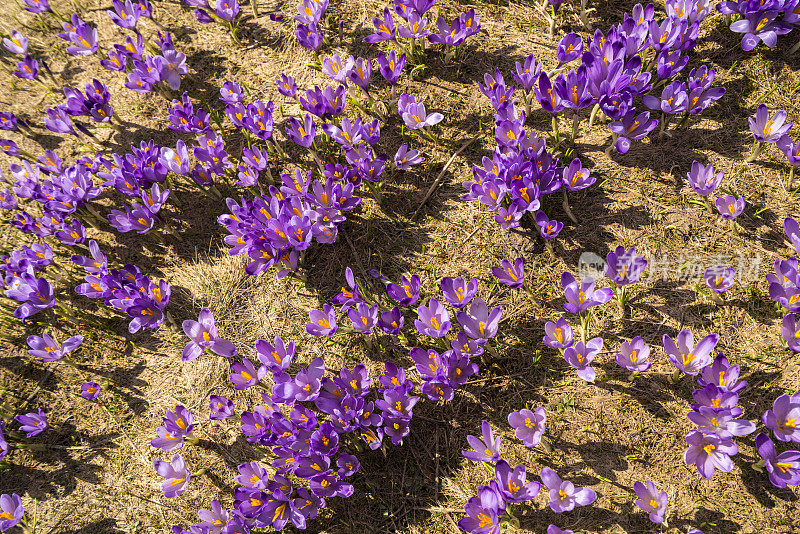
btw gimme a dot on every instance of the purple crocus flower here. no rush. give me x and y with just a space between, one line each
37 6
624 267
322 323
633 355
722 422
337 69
631 127
407 292
417 26
784 468
552 529
582 296
549 229
457 291
16 43
709 452
558 335
790 149
27 69
513 484
564 496
686 356
673 99
84 38
227 9
176 476
90 390
384 28
361 73
231 93
309 36
416 117
364 317
790 332
760 25
11 509
483 512
792 231
580 357
704 178
302 133
480 323
433 319
510 274
784 418
246 375
203 335
729 206
486 450
287 86
569 48
720 278
528 425
766 128
391 66
404 159
58 121
214 519
391 321
126 14
527 73
33 423
220 407
651 500
47 349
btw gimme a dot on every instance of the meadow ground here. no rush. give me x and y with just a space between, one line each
94 473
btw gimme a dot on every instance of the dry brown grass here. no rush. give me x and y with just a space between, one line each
95 475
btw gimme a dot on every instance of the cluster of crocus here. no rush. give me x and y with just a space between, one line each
617 67
208 11
520 169
412 12
493 502
784 286
705 180
715 413
145 72
34 293
60 191
441 373
28 67
767 129
140 175
308 32
93 103
126 290
784 468
311 463
761 21
277 228
177 429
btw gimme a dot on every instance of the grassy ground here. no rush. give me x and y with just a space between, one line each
95 474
